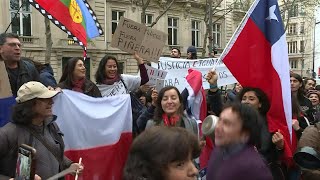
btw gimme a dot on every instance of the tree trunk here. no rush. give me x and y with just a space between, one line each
210 28
48 40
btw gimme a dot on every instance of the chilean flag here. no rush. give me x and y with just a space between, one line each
197 106
257 56
99 130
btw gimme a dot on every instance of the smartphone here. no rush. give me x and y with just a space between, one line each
25 167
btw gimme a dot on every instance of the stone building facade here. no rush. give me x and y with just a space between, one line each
183 22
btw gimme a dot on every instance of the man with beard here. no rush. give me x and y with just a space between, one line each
175 53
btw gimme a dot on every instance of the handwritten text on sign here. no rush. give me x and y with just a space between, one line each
131 36
154 74
178 69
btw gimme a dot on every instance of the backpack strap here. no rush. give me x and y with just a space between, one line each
125 86
46 144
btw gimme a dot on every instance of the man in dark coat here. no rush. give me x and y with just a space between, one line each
19 71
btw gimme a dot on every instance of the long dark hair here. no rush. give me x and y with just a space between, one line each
263 99
159 111
296 110
23 112
300 95
101 71
67 74
147 158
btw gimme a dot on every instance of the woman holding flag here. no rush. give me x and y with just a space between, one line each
74 78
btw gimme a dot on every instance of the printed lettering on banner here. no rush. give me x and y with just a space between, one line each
178 69
131 36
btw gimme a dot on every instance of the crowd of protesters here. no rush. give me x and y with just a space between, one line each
244 147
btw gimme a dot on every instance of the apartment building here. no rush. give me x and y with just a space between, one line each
299 22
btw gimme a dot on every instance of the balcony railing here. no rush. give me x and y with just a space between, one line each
29 40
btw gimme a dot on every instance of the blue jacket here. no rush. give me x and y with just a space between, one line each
47 76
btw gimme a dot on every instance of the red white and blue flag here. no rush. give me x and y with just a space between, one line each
198 108
257 56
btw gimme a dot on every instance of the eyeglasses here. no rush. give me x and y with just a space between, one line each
14 44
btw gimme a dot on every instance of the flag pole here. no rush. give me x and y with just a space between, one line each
236 33
15 15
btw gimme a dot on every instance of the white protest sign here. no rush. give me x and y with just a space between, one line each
159 84
131 36
178 70
154 74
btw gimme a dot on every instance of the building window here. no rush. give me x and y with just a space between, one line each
216 35
292 47
302 46
21 19
302 28
292 29
294 64
293 12
172 31
148 19
115 19
303 10
195 33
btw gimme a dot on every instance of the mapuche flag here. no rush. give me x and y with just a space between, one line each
75 17
257 56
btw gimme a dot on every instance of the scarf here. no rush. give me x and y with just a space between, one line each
78 84
109 81
172 121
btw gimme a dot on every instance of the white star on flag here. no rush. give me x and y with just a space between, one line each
272 14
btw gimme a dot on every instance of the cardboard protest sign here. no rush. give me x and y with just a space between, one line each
154 74
178 69
5 88
131 36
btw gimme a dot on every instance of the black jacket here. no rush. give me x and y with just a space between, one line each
27 72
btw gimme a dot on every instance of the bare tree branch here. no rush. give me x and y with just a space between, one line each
165 11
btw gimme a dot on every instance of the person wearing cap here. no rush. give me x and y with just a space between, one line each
33 124
191 52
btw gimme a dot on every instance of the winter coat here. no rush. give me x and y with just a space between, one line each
13 135
47 76
89 88
27 72
237 162
185 121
